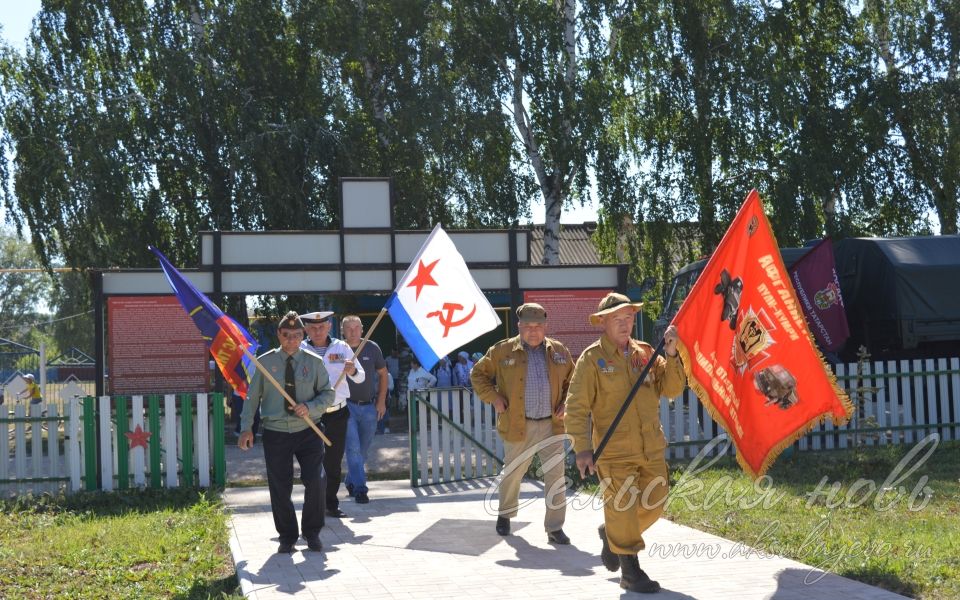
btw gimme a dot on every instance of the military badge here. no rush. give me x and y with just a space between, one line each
752 339
559 359
508 362
604 367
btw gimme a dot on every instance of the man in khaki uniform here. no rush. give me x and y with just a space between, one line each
633 460
525 378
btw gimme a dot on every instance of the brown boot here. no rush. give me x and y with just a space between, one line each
633 578
607 557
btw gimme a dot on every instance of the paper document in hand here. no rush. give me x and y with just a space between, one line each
437 306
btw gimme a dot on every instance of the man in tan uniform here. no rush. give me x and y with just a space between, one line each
633 460
525 378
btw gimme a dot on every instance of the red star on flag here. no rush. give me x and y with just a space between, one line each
138 437
424 277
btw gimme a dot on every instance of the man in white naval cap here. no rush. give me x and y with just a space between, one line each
337 357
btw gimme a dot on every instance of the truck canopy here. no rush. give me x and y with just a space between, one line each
900 292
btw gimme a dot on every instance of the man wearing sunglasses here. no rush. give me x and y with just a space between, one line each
287 435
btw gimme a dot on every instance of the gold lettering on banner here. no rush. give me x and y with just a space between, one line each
721 385
767 264
778 312
225 350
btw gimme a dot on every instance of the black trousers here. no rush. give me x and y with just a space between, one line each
335 426
279 450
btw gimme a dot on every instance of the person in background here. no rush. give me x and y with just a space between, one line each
287 435
444 373
367 404
32 390
419 378
461 370
393 364
337 358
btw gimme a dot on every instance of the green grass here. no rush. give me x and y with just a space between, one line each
828 509
134 544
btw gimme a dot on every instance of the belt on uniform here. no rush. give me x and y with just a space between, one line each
335 408
539 419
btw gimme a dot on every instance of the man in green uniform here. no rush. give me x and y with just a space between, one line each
633 460
287 435
525 378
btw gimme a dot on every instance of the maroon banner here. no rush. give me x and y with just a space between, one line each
814 277
153 347
568 315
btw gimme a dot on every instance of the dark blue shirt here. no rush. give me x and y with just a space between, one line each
371 358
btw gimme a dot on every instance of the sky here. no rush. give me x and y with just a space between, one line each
15 16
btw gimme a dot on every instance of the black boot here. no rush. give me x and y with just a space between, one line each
607 557
633 578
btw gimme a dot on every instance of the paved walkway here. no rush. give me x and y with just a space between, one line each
439 542
389 455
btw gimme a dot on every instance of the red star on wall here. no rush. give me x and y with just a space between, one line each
138 437
424 277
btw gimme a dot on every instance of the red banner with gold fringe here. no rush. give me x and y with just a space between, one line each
747 350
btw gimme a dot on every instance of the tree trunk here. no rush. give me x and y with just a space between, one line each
551 228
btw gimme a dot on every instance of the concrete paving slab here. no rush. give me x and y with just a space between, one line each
439 542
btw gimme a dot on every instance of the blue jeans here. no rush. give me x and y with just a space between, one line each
360 431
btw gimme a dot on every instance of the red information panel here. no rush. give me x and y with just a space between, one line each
568 315
154 347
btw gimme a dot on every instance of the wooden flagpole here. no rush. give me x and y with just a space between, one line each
356 352
284 393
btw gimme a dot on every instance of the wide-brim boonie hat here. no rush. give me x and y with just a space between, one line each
613 302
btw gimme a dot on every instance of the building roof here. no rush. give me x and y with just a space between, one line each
576 248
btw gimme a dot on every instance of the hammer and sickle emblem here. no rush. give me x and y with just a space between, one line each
447 321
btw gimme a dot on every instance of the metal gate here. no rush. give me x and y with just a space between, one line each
453 436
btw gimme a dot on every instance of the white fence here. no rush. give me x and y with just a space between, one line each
35 455
899 402
453 434
113 443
